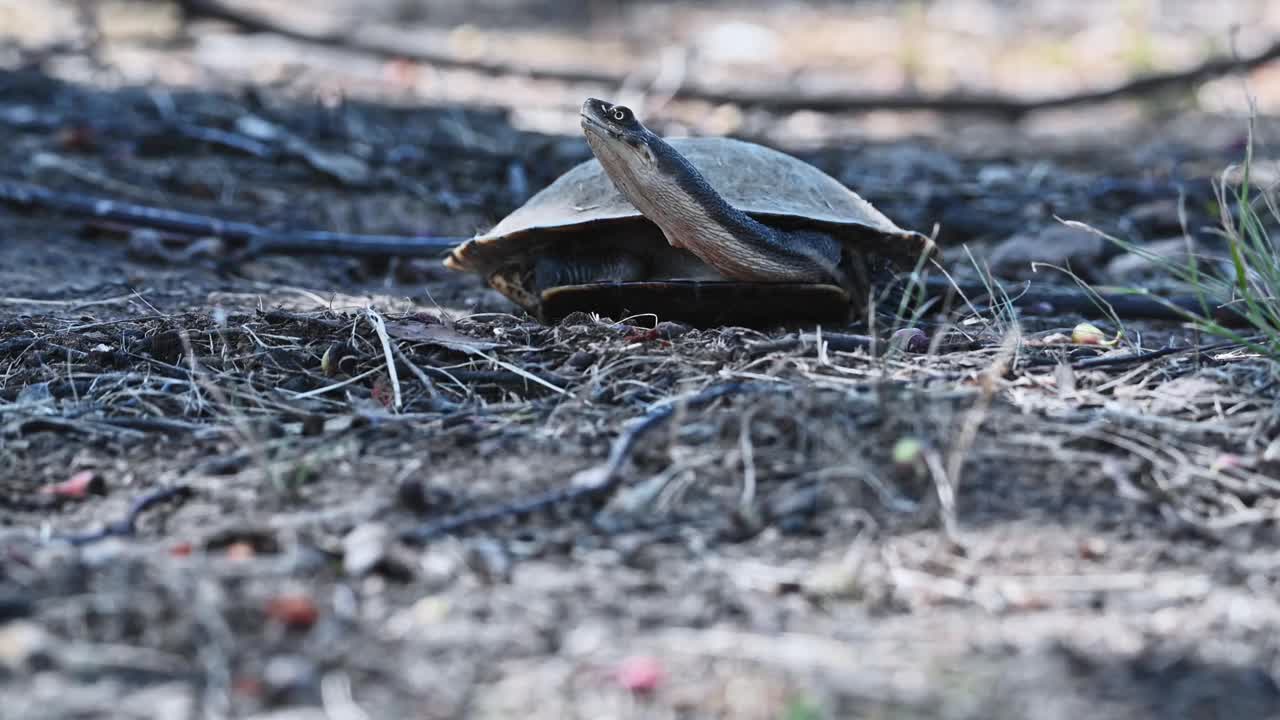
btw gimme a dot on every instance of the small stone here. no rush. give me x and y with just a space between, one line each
668 330
912 340
430 610
1093 548
23 646
421 498
1157 216
1054 339
1069 248
291 676
312 425
14 605
374 548
365 548
1130 266
438 568
581 360
489 560
147 245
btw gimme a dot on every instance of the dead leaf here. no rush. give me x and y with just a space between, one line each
441 335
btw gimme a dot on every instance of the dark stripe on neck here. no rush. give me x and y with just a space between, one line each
806 247
677 167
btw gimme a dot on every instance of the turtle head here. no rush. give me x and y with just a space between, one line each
667 189
614 132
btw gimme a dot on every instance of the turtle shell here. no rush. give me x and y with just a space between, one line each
771 186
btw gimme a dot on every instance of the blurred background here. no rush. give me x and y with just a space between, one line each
648 52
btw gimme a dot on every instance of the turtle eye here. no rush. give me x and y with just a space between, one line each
620 113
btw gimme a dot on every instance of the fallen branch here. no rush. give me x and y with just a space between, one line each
249 22
603 479
257 240
989 103
1135 358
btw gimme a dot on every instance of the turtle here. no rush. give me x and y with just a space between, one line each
702 230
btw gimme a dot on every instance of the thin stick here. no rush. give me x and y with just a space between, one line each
417 372
127 525
748 497
340 384
995 104
380 327
59 303
258 240
602 482
1135 357
519 371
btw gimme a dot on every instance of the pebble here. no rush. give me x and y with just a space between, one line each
912 340
420 498
668 330
489 560
372 547
1066 247
291 677
1131 266
581 360
24 645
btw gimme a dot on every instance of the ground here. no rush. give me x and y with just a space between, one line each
219 498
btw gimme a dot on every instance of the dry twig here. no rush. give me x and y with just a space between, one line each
993 104
127 525
592 483
257 240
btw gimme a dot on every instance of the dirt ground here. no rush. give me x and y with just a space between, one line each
219 499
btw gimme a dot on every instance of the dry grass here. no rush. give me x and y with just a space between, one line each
809 525
267 395
1245 280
